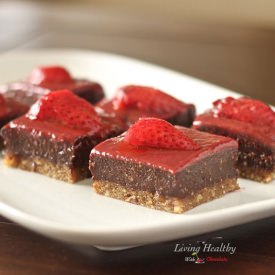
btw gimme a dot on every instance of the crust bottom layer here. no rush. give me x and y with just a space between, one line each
41 166
165 203
256 174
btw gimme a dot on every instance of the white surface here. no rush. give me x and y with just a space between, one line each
74 213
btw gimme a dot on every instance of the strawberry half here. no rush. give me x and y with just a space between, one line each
154 132
49 74
146 99
245 109
68 109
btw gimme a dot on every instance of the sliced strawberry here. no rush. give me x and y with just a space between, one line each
68 109
147 99
2 100
49 74
154 132
245 109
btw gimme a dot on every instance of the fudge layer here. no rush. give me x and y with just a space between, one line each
130 115
28 93
51 148
164 179
256 155
10 110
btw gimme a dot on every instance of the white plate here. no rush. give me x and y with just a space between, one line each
74 213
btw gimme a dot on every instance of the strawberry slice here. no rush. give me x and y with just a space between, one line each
68 109
2 100
49 74
146 99
154 132
245 109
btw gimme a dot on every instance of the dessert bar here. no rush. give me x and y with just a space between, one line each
56 136
252 124
132 102
50 78
160 166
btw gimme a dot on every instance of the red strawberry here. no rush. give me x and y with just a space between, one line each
2 100
245 109
67 108
49 74
154 132
147 99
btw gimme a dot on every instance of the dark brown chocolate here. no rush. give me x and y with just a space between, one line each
138 176
27 93
30 146
131 115
11 111
252 153
55 143
185 118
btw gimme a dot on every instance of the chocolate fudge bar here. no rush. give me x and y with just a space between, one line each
56 136
44 79
252 124
165 177
134 101
9 109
